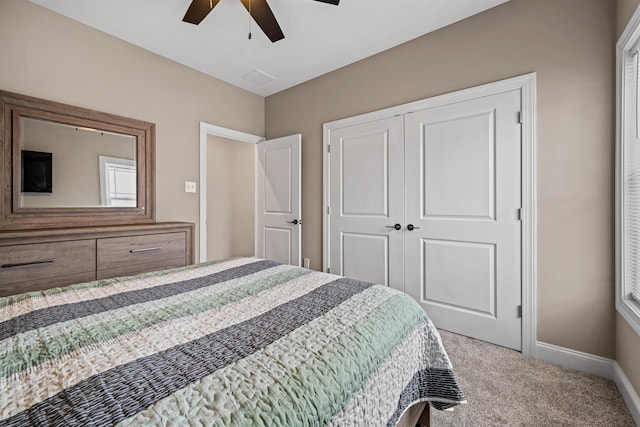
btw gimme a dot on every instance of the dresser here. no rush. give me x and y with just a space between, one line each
34 260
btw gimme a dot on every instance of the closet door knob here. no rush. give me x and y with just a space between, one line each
411 227
295 222
397 226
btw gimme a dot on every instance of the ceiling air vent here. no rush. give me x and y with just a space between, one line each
258 77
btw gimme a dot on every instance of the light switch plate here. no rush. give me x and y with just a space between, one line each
189 187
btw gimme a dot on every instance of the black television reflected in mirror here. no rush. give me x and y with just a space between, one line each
36 172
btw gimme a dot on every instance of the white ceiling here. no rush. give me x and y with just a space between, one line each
318 37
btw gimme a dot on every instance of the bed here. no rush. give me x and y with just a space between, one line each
229 343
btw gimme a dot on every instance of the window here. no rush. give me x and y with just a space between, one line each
628 174
117 182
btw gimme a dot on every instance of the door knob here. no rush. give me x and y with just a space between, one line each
295 222
397 226
411 227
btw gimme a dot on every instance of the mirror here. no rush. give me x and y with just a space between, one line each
69 166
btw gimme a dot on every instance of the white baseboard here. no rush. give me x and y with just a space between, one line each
628 393
595 365
573 359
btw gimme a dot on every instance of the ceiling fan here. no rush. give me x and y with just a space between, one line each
258 9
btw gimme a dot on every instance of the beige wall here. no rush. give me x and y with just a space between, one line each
627 340
625 11
569 44
46 55
230 198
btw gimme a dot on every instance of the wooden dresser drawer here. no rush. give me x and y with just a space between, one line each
120 256
38 266
40 259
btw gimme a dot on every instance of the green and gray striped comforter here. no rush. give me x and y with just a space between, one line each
231 343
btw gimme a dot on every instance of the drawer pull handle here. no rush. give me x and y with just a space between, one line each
156 248
24 264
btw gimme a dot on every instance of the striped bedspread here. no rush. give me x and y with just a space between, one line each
232 343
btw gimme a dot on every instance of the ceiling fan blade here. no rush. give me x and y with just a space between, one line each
262 14
198 10
336 2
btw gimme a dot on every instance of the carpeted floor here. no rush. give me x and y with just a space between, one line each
505 388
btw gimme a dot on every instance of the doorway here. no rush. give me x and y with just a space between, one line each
230 136
230 198
250 196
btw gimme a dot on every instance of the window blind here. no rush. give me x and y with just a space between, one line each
631 177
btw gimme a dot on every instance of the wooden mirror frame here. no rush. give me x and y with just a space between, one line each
13 217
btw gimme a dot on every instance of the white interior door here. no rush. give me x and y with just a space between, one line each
462 197
367 201
278 197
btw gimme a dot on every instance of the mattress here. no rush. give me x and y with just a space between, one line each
230 343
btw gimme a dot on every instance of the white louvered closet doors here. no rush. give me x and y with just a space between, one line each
428 203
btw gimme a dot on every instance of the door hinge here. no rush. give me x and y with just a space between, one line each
328 210
519 117
519 214
519 312
328 148
328 269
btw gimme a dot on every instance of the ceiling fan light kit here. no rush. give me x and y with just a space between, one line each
259 10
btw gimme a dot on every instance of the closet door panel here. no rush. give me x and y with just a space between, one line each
367 201
462 195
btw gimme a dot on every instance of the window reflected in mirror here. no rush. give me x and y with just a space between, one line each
117 181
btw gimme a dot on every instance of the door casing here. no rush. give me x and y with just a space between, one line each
527 85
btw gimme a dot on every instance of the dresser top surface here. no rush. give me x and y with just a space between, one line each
13 237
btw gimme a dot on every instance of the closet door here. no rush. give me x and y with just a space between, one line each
366 199
462 231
